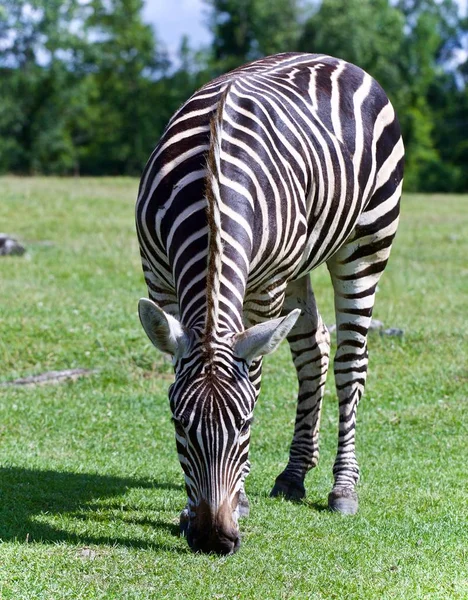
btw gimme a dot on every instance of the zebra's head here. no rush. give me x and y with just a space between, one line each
212 401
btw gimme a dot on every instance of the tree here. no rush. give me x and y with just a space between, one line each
244 30
432 34
123 62
78 89
405 47
87 87
41 87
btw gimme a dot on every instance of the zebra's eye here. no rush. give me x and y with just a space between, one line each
179 426
245 426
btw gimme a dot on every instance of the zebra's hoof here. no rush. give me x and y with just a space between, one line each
343 500
243 505
291 489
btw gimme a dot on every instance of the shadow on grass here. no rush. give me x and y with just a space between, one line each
318 506
26 494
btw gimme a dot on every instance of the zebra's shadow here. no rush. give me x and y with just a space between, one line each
58 506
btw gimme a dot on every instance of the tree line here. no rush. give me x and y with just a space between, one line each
87 86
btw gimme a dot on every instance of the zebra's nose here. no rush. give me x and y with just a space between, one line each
219 542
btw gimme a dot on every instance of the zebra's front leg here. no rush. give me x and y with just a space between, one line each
255 375
309 341
243 507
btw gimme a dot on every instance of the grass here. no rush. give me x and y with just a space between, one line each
90 485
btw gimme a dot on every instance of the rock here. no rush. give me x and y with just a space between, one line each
51 377
9 246
392 332
375 325
87 553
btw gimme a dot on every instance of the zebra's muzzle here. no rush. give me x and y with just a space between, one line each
219 542
207 533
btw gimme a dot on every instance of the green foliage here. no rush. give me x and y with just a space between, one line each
123 61
87 87
341 28
90 484
80 100
404 46
38 102
248 29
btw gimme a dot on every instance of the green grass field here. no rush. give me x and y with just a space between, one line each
90 484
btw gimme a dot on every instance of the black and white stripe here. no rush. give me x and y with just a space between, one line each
262 175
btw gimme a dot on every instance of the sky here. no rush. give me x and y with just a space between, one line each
174 18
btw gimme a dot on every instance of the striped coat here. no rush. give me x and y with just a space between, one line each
262 175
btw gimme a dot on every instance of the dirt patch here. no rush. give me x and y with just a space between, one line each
51 377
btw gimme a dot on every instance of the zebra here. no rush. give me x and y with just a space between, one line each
265 173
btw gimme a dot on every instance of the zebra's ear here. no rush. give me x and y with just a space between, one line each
265 337
164 331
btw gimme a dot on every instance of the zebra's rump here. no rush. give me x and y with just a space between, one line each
304 143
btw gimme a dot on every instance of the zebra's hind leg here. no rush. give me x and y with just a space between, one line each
355 271
309 341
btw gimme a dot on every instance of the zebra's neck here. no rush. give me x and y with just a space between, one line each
213 212
216 324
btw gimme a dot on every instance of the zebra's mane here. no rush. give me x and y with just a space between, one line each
213 211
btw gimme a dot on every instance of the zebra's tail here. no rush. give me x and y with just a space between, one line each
214 201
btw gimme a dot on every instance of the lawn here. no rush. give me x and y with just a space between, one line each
90 484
